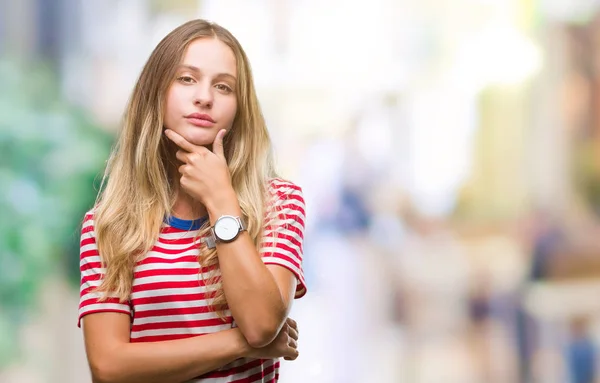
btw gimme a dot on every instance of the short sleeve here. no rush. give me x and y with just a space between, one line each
91 272
284 231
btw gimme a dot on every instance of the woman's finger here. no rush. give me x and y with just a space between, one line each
180 141
292 323
182 156
293 333
293 343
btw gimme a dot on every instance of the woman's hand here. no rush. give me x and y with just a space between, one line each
204 173
284 346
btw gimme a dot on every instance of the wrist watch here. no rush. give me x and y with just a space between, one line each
226 229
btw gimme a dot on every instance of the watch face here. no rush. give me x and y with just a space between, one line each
227 228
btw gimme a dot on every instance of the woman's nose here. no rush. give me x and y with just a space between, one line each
203 96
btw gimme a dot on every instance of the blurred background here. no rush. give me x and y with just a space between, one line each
448 151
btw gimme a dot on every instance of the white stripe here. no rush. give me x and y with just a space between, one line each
176 318
89 272
181 331
87 224
158 254
282 262
166 278
287 208
277 250
94 295
88 247
291 213
166 266
104 306
280 228
89 284
282 241
89 259
165 292
172 305
175 246
181 235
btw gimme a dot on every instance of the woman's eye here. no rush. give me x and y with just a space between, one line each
223 88
185 79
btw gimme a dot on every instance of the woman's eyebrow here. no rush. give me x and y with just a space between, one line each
197 70
228 76
189 67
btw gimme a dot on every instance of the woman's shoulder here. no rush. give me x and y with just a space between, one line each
88 218
285 192
281 186
89 215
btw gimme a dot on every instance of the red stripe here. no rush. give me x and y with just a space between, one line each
90 266
280 246
160 338
278 230
288 237
93 301
159 249
290 211
87 229
281 183
256 377
154 259
90 278
89 253
87 241
173 230
176 241
232 371
162 272
293 261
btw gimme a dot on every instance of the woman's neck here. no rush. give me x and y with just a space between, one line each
185 207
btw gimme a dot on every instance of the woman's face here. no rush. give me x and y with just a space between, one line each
202 99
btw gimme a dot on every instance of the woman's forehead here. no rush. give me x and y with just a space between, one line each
210 56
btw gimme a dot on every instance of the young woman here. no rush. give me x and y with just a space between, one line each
191 257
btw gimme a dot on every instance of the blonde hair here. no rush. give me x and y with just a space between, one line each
137 188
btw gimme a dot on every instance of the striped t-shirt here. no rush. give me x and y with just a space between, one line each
168 301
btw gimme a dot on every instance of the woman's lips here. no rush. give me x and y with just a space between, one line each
201 122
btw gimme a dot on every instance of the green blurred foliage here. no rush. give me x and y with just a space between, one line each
51 158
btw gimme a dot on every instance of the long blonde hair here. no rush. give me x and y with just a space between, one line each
137 188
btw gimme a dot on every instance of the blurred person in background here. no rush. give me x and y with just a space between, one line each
581 352
193 232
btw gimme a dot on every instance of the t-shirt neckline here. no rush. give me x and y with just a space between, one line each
185 224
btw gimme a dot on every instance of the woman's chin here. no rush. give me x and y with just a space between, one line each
200 138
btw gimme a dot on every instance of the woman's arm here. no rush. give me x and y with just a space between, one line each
258 295
112 358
